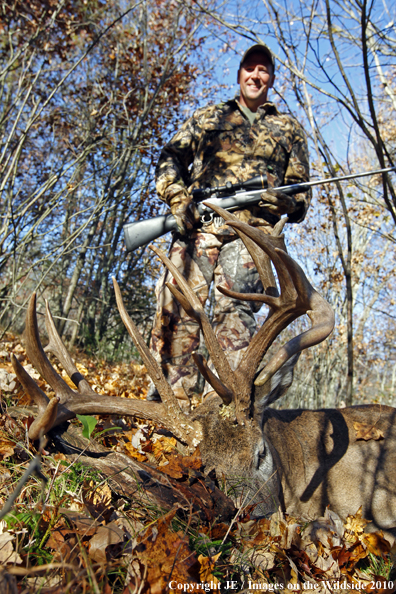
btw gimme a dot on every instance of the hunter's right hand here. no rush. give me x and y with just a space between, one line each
184 211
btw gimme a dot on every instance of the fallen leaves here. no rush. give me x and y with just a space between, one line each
97 499
7 551
108 540
148 445
366 432
179 466
162 445
165 555
7 381
127 380
7 446
355 525
207 567
324 551
376 544
281 549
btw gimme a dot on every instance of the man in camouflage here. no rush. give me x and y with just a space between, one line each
229 142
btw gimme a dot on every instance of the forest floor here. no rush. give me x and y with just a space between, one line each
69 530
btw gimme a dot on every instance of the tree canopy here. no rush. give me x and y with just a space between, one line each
91 91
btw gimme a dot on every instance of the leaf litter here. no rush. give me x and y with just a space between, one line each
88 538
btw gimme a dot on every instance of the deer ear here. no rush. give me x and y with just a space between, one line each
274 388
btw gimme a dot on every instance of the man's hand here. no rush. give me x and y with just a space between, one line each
278 203
184 211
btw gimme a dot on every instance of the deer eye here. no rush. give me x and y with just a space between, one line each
261 455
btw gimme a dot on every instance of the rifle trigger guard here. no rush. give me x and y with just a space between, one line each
207 217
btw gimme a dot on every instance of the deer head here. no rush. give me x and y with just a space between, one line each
227 426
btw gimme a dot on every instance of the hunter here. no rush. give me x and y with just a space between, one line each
231 141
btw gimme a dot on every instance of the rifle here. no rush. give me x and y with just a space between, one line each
230 197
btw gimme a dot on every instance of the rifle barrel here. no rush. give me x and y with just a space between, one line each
329 180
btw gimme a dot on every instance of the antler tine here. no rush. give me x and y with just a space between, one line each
49 413
217 385
269 244
267 299
67 402
210 377
308 301
153 368
57 347
172 415
40 398
186 305
45 422
196 311
299 279
260 259
320 314
37 356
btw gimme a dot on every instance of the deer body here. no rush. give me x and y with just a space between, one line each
321 462
303 460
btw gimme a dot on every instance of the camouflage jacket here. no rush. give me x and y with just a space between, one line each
218 144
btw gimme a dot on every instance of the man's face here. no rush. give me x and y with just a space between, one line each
255 77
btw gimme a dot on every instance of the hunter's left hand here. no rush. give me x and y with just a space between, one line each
278 203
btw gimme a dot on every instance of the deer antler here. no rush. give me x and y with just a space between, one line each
57 348
296 298
68 402
260 258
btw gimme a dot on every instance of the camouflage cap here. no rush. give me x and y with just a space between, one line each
259 47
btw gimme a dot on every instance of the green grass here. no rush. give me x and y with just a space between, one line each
375 566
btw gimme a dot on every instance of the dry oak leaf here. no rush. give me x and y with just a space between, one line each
207 567
341 555
367 432
105 537
7 383
97 500
133 452
138 440
376 543
357 552
7 446
356 524
83 525
63 538
64 544
179 465
7 553
218 531
166 556
372 585
163 445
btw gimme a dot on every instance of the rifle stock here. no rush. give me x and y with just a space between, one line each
142 232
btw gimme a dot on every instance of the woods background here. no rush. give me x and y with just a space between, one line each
91 91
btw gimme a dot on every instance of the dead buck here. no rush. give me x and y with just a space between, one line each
300 459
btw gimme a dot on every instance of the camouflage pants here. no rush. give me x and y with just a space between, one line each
202 259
